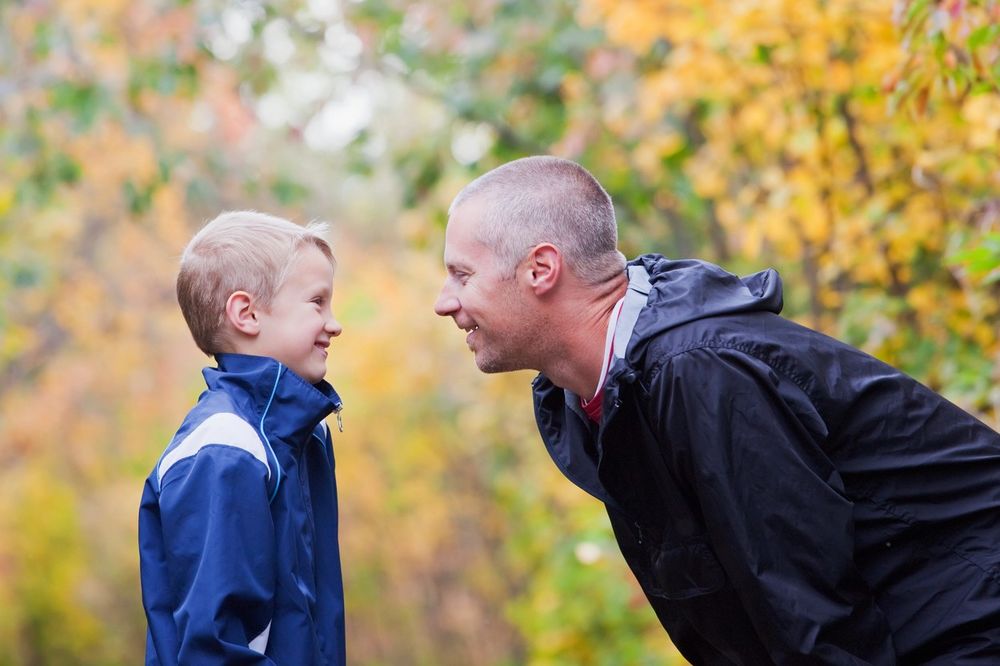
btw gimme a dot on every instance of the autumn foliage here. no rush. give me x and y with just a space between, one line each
854 146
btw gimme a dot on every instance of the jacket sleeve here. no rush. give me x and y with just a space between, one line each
220 556
746 441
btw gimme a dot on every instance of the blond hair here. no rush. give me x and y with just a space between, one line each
544 199
238 251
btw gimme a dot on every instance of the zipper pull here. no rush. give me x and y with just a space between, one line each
340 419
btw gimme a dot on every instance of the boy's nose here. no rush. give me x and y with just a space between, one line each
333 327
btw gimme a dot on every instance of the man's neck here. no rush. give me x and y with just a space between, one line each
582 334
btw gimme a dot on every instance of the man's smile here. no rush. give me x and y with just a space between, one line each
471 330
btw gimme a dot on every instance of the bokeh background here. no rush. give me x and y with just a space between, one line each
851 144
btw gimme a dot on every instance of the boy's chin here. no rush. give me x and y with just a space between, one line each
313 376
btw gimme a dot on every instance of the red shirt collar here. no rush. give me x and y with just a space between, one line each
593 407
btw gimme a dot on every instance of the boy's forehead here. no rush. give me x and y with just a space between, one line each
312 253
311 265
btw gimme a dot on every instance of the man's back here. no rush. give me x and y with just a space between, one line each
919 473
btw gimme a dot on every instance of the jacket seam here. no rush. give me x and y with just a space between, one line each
740 347
175 477
891 510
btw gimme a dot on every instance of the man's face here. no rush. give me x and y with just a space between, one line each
483 297
299 325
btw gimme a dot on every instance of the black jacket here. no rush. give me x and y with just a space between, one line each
781 496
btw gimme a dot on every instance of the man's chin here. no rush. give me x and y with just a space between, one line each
492 365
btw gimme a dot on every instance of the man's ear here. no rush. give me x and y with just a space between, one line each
241 311
543 268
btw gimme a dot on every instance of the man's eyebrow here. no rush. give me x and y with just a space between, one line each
453 266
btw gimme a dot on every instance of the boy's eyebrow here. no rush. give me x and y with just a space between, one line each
321 287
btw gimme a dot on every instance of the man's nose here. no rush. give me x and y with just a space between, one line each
446 304
333 327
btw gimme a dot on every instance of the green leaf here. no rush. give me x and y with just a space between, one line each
288 192
987 34
762 53
83 101
139 199
65 169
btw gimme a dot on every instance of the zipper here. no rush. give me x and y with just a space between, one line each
340 420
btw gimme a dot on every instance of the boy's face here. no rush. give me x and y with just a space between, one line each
297 328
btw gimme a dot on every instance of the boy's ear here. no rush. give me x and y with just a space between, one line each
542 267
241 312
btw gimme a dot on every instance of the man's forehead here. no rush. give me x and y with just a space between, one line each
462 252
460 237
466 216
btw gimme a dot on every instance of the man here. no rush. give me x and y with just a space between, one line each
780 496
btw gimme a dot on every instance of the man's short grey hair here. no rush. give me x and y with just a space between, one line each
238 251
544 199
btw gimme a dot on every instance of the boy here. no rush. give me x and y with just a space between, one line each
238 546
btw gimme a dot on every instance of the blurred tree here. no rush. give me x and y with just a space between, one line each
954 44
795 133
776 112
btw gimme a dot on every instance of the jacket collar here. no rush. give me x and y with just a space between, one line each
636 296
284 405
564 427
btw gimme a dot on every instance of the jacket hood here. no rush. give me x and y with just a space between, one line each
684 290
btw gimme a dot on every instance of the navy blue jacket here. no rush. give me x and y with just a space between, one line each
238 546
782 497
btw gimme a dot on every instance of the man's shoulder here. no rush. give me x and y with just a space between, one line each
755 333
763 340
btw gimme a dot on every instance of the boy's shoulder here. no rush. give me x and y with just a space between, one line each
215 421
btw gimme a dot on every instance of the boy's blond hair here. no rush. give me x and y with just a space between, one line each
238 251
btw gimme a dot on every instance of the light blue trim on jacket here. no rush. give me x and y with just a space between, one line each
267 442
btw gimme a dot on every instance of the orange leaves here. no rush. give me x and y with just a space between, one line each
649 155
708 181
113 156
982 113
765 118
801 156
637 24
951 47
